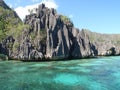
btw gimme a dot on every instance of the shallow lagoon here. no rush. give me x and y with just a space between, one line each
85 74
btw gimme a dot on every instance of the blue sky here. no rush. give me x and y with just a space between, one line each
102 16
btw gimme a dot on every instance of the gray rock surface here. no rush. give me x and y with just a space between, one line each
53 36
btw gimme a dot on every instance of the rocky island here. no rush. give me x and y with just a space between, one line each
47 35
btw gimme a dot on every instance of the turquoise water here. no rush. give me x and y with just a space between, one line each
86 74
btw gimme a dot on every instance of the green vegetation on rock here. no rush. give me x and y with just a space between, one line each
65 18
8 23
43 34
3 57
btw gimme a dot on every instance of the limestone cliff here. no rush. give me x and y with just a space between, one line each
53 36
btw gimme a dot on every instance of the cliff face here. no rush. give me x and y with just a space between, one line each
53 36
106 44
9 21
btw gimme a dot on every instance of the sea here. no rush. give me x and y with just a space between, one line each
102 73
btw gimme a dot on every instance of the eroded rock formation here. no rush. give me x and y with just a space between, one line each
53 36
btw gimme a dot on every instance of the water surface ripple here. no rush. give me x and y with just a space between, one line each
86 74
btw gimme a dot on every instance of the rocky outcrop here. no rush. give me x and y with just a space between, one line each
56 36
53 36
83 46
7 45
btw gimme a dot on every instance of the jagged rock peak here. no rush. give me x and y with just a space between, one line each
53 36
45 10
42 6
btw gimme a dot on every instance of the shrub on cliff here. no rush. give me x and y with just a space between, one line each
3 57
8 23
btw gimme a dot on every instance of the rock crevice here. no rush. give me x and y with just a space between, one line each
53 36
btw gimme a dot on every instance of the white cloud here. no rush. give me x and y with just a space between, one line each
70 16
10 5
23 11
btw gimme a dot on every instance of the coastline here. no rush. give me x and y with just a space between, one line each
63 59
